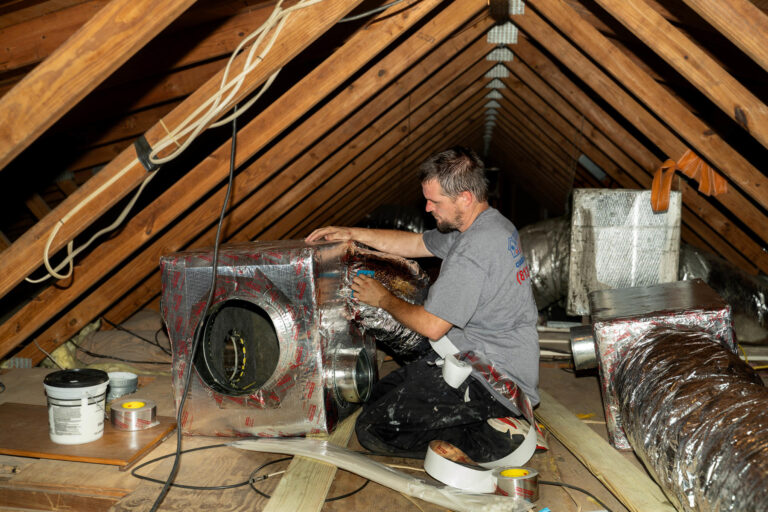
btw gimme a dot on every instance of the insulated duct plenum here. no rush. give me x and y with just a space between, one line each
698 418
546 246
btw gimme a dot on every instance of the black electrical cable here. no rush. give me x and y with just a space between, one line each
142 338
561 484
184 486
105 356
199 331
372 11
252 478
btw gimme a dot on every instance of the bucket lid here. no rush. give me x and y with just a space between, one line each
76 378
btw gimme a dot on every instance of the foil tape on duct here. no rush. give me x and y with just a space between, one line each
698 418
406 280
546 246
747 294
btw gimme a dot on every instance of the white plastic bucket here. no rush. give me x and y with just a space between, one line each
76 405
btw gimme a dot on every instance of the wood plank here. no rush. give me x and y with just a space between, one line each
5 242
25 434
735 100
15 14
68 186
125 172
305 484
741 21
700 136
655 131
37 206
98 48
632 486
186 191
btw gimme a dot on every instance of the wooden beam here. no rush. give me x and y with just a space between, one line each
14 14
700 136
642 178
274 119
695 65
125 172
741 22
305 484
4 241
631 485
627 107
37 206
98 48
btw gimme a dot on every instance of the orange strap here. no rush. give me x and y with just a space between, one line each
690 164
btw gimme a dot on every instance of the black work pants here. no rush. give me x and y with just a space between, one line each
413 405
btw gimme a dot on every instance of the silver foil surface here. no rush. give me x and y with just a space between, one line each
301 291
618 242
546 246
747 294
406 280
620 317
698 418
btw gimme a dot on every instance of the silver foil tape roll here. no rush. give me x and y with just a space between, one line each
133 414
520 482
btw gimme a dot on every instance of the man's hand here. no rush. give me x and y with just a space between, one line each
331 234
370 291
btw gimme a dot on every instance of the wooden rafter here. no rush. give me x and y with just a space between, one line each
267 125
693 63
98 48
125 172
700 136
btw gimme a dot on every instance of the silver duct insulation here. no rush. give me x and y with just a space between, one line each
747 294
698 418
546 246
406 280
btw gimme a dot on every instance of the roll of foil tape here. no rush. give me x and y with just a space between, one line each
518 481
133 414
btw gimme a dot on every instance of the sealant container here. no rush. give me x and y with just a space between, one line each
76 405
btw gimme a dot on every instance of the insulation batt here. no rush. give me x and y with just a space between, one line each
698 418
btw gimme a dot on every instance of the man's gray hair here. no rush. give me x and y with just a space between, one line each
456 169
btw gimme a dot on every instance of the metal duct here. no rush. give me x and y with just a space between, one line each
546 246
698 418
282 348
747 294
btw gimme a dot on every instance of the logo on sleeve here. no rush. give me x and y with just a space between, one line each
513 246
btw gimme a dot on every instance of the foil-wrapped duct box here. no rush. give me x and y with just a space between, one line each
283 349
621 316
617 241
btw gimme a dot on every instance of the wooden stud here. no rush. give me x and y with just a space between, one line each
37 206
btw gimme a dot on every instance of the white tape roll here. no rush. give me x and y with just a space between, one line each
443 346
455 372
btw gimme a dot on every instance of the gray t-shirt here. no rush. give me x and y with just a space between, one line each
484 290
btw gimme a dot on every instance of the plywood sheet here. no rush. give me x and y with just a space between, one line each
25 434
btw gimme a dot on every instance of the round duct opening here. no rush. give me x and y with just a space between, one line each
239 349
352 374
583 348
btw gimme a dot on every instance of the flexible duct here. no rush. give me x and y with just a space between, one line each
698 418
546 246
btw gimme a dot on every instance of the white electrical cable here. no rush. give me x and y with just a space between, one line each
216 106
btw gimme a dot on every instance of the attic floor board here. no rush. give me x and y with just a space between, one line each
49 485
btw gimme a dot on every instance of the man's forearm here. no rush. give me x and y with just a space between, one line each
402 243
416 318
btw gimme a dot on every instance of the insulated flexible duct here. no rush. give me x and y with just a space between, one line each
698 418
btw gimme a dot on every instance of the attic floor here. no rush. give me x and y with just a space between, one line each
40 484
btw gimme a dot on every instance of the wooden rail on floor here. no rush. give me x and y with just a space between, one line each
632 486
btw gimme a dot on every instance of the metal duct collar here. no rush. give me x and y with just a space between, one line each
352 374
583 348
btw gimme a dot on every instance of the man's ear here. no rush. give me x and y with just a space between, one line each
466 197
